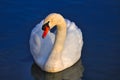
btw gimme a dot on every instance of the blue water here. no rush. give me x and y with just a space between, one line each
99 21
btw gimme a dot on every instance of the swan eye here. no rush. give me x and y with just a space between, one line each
45 25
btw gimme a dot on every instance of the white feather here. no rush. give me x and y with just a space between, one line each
41 48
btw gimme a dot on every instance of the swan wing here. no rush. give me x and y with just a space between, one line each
40 48
73 44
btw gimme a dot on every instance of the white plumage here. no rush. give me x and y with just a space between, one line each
41 48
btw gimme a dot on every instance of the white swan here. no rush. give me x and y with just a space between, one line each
54 53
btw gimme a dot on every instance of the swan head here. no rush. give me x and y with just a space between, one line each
46 29
53 19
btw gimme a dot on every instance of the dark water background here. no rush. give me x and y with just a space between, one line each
99 21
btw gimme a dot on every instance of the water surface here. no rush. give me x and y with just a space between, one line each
99 21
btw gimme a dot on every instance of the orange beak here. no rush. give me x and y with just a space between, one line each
46 30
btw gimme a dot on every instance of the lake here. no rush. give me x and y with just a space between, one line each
99 21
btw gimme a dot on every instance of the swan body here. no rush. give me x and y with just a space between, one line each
57 51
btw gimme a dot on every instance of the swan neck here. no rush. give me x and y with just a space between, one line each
60 36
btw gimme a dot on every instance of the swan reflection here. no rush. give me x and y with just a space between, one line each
73 73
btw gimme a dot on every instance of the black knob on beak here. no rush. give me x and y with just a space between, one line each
45 25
